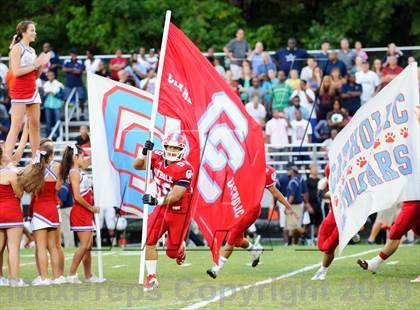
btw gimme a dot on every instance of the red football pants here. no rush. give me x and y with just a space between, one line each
328 234
408 218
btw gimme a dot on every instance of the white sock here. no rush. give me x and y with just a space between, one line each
323 269
250 247
375 262
151 266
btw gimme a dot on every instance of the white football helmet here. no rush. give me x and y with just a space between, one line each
178 140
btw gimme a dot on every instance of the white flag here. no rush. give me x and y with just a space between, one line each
375 159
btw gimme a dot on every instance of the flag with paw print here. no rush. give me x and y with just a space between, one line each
375 159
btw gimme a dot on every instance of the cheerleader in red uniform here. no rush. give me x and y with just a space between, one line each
81 215
45 214
11 217
25 98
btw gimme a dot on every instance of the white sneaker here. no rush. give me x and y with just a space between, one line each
256 254
38 281
18 283
416 280
73 279
94 279
4 281
320 275
59 280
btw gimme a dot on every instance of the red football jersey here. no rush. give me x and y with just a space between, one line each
270 176
166 176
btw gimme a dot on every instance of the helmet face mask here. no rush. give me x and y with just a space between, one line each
174 147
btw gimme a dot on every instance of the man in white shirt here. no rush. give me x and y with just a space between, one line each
152 59
307 71
91 63
306 96
370 82
148 84
256 110
276 130
297 130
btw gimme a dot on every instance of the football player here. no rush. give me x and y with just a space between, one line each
236 237
172 175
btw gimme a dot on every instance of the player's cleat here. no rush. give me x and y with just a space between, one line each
151 283
256 255
59 280
365 265
38 281
4 281
94 279
18 283
320 275
181 255
416 280
212 273
73 279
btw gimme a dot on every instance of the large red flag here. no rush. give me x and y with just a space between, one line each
226 146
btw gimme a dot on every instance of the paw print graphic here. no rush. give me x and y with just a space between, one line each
377 143
404 132
349 170
389 137
335 200
361 161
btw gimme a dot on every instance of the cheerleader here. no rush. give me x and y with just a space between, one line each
81 215
41 179
11 217
25 99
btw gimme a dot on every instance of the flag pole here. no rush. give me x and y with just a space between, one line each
151 134
99 246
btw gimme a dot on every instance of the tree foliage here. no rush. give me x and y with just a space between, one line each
107 24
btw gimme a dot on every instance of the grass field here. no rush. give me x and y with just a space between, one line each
239 285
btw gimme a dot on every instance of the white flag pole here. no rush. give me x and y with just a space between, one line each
151 130
99 246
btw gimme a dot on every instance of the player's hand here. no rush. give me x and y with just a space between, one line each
149 200
95 210
148 146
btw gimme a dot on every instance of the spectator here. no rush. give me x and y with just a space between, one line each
256 110
334 62
377 67
74 68
141 58
3 70
307 72
290 57
219 68
350 95
91 63
102 70
312 185
234 85
256 89
337 117
346 55
256 57
306 95
293 81
237 50
326 97
117 63
322 57
370 82
53 64
358 62
123 76
316 79
391 71
290 110
152 59
135 70
281 93
245 82
210 54
4 115
392 51
337 80
296 190
53 103
359 51
297 129
327 142
276 131
268 82
149 83
265 65
83 139
322 131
